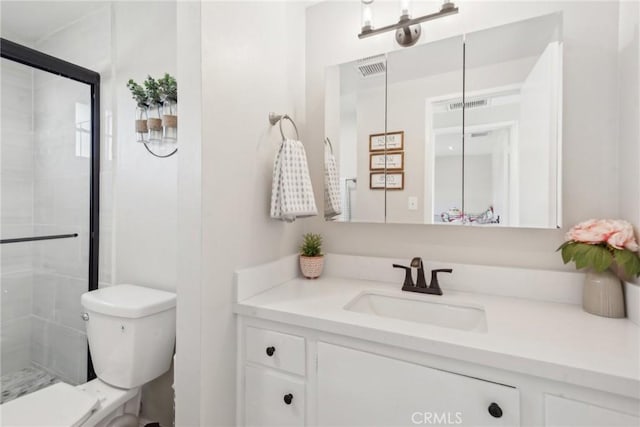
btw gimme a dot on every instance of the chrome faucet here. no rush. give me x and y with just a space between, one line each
421 285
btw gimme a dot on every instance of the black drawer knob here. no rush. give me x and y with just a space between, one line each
270 351
495 410
288 398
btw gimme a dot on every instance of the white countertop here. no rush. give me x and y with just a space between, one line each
551 340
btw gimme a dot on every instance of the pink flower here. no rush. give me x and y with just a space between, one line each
622 237
592 231
617 233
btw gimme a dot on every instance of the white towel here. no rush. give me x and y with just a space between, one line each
291 192
332 196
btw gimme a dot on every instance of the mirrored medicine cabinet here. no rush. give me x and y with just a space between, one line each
465 130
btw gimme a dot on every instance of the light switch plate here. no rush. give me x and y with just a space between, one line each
413 203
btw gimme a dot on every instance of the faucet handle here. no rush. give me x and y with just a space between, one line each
434 279
408 280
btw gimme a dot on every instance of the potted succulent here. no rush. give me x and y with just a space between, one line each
154 99
311 257
169 94
142 104
608 250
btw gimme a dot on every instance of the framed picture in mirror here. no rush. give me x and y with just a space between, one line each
389 161
393 181
394 141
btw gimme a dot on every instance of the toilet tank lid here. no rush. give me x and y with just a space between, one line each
129 301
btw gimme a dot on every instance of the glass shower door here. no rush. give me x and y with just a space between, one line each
46 152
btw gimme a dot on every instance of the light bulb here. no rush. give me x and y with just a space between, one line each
405 8
367 14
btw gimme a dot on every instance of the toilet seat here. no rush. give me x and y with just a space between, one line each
60 404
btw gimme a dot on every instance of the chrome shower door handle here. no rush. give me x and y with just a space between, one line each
85 316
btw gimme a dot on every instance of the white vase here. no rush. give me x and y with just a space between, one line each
603 295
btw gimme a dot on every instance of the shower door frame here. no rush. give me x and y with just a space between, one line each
41 61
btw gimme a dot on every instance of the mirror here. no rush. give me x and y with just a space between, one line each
355 104
512 122
464 130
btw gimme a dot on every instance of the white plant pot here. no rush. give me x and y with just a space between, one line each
311 267
602 295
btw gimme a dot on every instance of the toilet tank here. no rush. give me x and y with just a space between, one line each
131 331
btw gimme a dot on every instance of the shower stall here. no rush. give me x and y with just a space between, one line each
49 182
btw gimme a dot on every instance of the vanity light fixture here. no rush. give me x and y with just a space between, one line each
408 29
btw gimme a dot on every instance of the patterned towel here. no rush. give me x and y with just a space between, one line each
291 191
332 196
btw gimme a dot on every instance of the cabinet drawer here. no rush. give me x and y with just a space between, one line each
275 350
272 399
560 411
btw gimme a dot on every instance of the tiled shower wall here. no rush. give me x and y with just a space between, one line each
16 274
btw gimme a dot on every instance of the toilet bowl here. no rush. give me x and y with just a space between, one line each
131 333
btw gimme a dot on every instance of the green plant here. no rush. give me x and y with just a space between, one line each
600 257
311 245
168 88
138 93
154 94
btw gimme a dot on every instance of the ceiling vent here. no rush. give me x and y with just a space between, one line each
479 134
371 66
475 103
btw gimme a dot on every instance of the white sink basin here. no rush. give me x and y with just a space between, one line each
462 317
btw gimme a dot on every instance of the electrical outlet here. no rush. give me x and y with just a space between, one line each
413 203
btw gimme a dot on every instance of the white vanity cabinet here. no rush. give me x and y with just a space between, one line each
358 388
294 376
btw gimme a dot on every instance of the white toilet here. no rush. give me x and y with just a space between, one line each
131 332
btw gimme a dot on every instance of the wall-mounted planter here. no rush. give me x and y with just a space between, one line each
170 121
154 123
141 124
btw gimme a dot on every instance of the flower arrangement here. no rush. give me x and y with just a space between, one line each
138 93
168 88
602 244
154 92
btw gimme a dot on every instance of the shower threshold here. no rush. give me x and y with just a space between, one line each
24 381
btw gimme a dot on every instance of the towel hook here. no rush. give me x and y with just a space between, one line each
275 118
328 141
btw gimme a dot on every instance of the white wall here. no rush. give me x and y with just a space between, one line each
629 75
145 186
247 71
189 238
589 123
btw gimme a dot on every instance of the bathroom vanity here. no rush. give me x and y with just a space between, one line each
352 349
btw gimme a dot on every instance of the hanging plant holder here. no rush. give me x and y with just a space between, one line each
156 121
